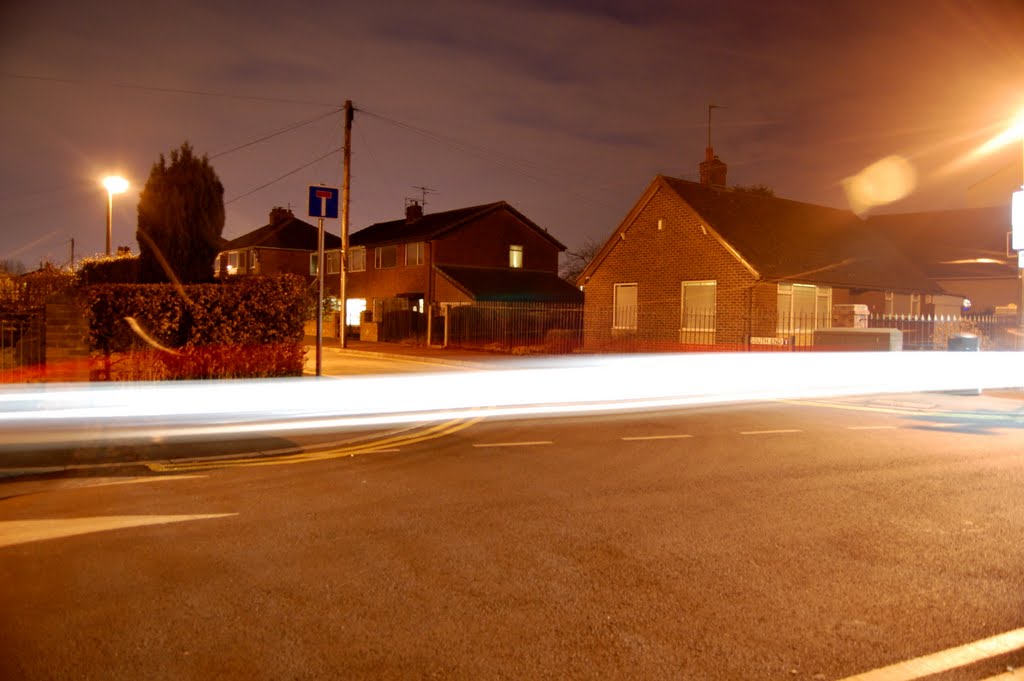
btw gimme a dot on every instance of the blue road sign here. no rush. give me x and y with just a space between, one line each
323 202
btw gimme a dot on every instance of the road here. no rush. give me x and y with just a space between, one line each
774 540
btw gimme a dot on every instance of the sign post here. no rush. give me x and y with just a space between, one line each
323 203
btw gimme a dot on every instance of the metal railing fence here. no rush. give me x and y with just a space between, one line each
516 327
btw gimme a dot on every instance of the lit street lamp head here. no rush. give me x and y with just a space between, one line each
115 184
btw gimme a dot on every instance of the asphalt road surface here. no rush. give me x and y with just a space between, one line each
766 541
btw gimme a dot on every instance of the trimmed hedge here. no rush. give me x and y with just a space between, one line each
252 327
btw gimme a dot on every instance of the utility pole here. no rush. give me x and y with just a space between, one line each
346 170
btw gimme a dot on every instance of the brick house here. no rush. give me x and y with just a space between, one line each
426 262
696 265
284 245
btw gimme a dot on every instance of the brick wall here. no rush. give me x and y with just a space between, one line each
67 350
662 246
485 242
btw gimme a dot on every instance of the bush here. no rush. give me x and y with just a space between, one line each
251 327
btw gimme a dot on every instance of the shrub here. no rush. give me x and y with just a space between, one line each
251 327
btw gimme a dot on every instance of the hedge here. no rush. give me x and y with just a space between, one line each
252 327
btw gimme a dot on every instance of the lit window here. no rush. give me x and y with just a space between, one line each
233 262
357 259
624 315
414 253
697 312
385 257
515 256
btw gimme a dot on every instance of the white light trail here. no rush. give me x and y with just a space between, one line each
44 414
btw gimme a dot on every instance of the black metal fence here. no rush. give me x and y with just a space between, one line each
515 327
22 344
640 329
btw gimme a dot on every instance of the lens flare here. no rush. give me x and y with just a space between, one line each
881 183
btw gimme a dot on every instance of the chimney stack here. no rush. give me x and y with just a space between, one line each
712 169
279 215
413 212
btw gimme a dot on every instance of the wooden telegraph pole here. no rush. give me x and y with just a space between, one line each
346 178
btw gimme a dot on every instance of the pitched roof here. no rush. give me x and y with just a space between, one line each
435 225
785 240
290 233
949 244
506 284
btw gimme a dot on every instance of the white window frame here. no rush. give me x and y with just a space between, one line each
253 261
515 256
357 259
314 265
378 257
822 312
232 262
414 253
624 317
333 260
703 333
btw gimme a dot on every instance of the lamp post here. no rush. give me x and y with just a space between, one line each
114 185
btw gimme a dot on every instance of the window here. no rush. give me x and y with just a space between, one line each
313 264
357 259
515 256
217 264
233 262
253 261
697 312
625 307
333 260
414 253
802 309
385 257
902 303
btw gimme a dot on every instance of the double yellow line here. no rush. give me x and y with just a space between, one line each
415 436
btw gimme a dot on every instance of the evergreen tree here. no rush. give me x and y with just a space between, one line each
181 217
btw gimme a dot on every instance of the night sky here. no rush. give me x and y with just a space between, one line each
564 108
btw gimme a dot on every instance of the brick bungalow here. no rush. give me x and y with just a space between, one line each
964 251
696 265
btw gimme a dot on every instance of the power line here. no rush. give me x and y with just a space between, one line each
165 90
281 131
288 174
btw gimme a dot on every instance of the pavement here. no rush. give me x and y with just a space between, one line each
337 361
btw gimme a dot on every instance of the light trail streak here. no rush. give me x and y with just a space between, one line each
42 415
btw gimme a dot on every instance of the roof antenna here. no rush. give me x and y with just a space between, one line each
423 194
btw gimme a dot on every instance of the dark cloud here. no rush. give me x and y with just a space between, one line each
565 108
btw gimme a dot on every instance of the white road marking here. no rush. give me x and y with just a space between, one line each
872 427
14 532
656 437
943 661
514 444
770 432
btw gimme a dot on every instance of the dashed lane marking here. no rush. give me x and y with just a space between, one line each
770 432
534 443
945 660
681 436
14 532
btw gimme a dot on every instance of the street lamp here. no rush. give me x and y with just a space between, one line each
115 185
